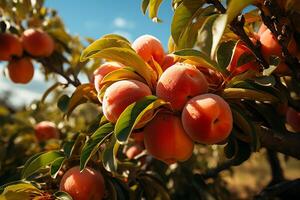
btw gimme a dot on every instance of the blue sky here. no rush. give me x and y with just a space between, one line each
94 18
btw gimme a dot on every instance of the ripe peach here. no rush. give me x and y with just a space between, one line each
37 42
134 150
120 95
103 70
241 50
262 29
179 83
147 46
46 130
169 60
86 185
293 119
138 137
166 140
20 70
207 119
10 46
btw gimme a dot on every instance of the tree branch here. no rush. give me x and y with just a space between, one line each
276 170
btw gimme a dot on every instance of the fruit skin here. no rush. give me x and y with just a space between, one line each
37 42
20 70
10 46
103 70
147 46
46 130
293 119
166 140
179 83
86 185
207 119
120 95
169 60
241 50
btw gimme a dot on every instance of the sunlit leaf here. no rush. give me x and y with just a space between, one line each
60 195
56 166
153 9
145 4
225 54
241 93
235 7
19 190
109 154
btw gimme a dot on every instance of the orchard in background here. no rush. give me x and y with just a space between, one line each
150 120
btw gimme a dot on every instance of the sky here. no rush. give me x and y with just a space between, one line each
94 18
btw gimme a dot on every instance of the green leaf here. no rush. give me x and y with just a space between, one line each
198 57
56 166
145 4
248 94
133 114
93 143
116 37
153 10
40 162
109 154
235 7
183 18
63 103
60 195
19 190
225 54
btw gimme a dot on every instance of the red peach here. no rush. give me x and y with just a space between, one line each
179 83
10 46
166 140
169 60
86 185
207 119
20 70
46 130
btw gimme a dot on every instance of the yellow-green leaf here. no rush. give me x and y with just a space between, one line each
241 93
235 7
20 190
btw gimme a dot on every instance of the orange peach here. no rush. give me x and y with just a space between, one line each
169 60
166 140
46 130
241 50
207 119
37 42
103 70
293 119
10 46
147 47
20 70
86 185
179 83
120 95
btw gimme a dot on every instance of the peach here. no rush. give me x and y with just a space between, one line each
169 60
179 83
86 185
207 119
262 29
103 70
20 70
166 140
46 130
138 137
293 119
37 42
241 50
147 47
10 46
121 94
134 150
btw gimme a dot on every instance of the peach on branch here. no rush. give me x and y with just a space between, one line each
46 130
120 95
166 140
20 70
10 46
86 185
37 42
207 119
179 83
169 60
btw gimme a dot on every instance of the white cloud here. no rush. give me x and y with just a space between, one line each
120 22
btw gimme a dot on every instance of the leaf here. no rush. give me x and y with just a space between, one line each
56 166
274 63
198 57
60 195
40 162
241 93
133 114
109 159
116 36
129 58
225 54
183 18
19 190
94 142
82 94
145 4
218 29
235 7
153 10
63 103
121 74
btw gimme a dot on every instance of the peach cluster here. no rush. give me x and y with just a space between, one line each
34 42
196 115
